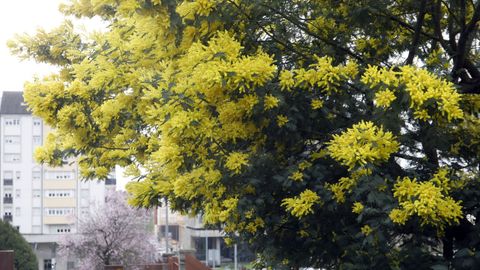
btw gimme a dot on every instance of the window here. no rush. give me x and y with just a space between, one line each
7 178
17 193
10 140
37 122
12 122
11 157
59 175
59 193
11 145
47 264
36 193
63 230
18 175
36 175
84 211
17 211
37 141
58 211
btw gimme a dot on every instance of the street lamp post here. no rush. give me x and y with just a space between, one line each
235 263
206 248
166 225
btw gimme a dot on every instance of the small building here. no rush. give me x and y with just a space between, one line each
189 233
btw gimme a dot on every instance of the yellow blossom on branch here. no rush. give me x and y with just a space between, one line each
367 230
346 184
282 120
421 86
316 104
301 205
286 80
296 176
235 162
361 144
357 207
428 200
270 102
384 98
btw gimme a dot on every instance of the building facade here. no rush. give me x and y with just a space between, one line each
186 233
40 201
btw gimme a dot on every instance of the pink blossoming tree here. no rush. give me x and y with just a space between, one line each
115 234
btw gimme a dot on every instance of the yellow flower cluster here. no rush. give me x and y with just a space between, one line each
270 102
188 9
282 120
361 144
366 230
374 76
422 87
346 184
235 162
428 200
229 207
384 98
296 176
286 80
302 204
357 207
317 104
304 165
322 74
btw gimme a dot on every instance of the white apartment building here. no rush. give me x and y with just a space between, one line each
38 200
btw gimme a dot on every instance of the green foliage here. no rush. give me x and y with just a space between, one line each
11 239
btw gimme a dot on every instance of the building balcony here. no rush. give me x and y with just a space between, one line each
59 184
59 202
8 200
7 218
8 182
57 220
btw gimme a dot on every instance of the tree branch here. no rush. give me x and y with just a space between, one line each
281 42
305 29
464 43
418 30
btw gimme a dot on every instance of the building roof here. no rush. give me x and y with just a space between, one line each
12 103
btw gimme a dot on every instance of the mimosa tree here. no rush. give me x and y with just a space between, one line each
334 134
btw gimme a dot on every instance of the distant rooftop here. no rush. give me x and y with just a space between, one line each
12 103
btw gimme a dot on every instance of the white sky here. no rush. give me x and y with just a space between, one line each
26 16
23 16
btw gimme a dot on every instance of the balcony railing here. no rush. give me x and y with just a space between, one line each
8 200
7 218
7 182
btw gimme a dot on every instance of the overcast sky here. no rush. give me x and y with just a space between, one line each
26 16
23 16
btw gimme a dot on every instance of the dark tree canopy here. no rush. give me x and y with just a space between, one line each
11 239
